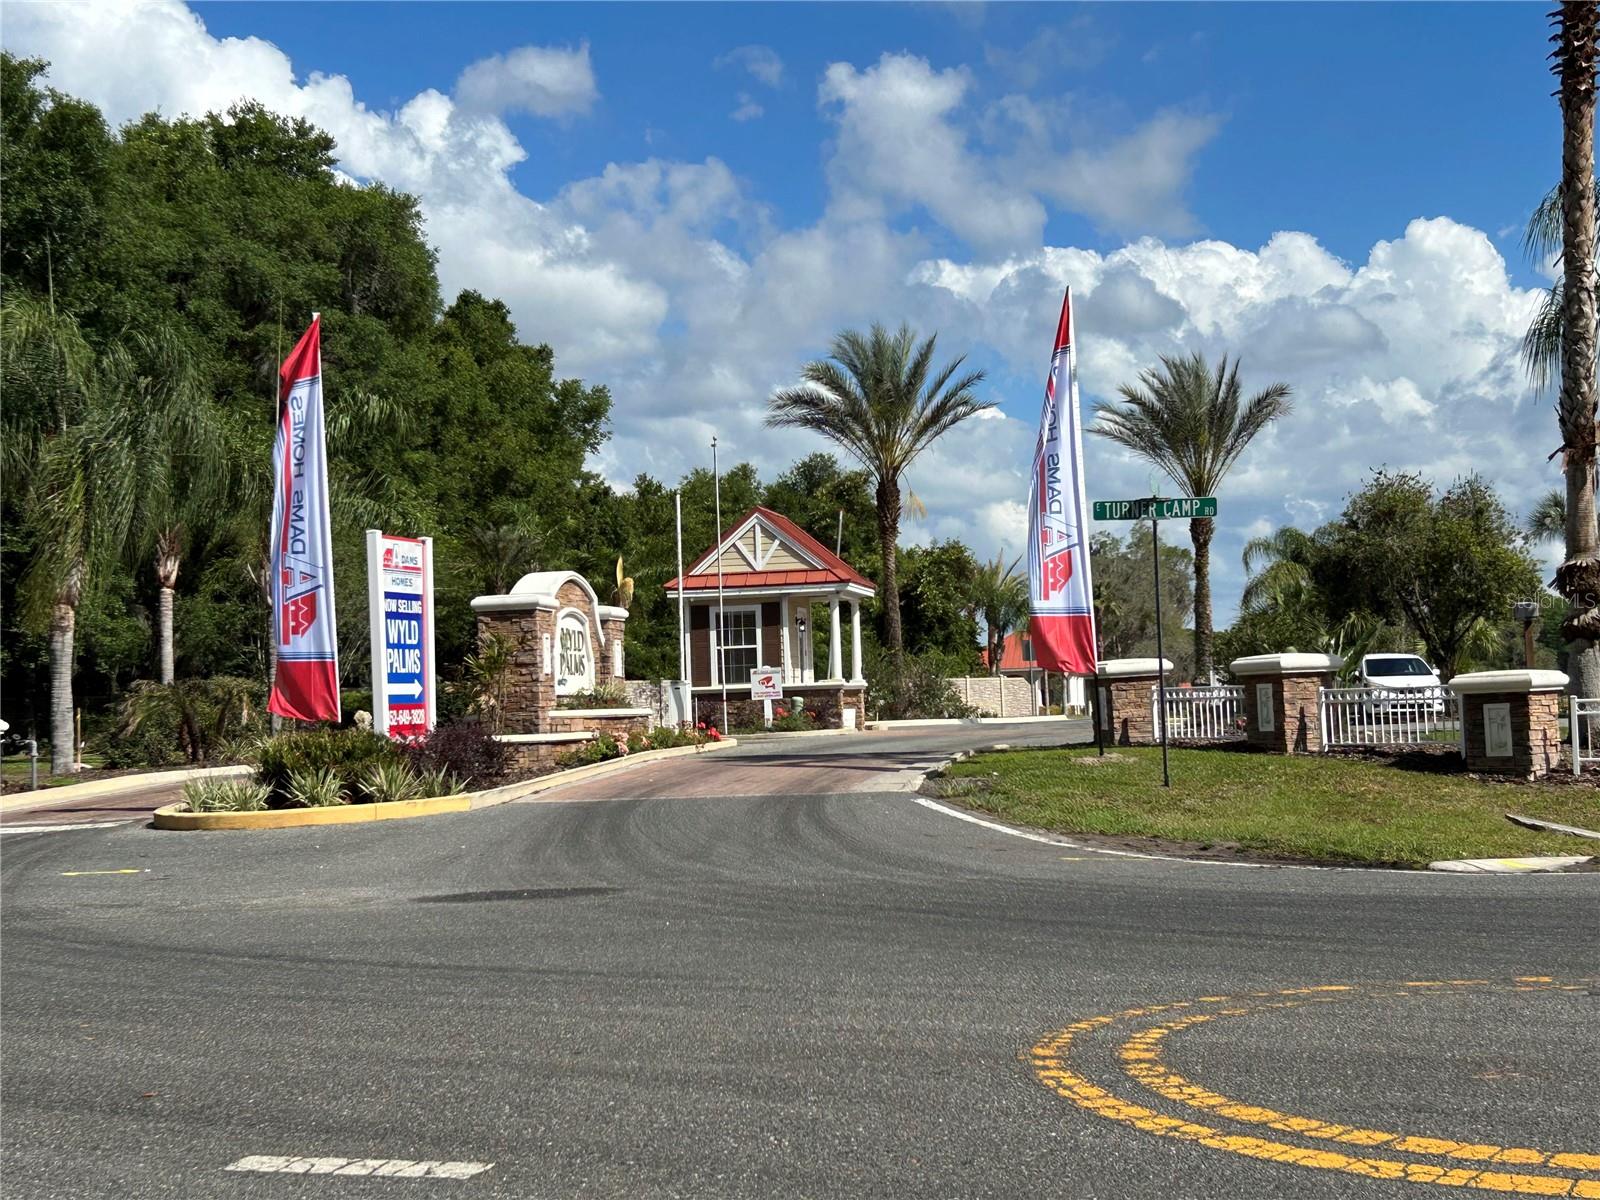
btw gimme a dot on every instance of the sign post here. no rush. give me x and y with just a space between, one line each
400 609
766 685
1156 509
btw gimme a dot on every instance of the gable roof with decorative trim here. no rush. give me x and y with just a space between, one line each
819 565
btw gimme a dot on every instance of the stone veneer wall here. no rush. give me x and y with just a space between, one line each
983 692
1133 720
1297 724
529 691
823 699
1535 732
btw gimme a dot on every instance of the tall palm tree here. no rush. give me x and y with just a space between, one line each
880 398
1577 25
1193 422
1278 565
1000 598
1541 344
71 416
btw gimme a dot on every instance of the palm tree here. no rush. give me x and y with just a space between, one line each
1193 423
1279 568
879 398
1547 520
1541 344
1000 598
1577 24
70 418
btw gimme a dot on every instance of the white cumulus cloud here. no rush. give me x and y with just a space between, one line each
547 81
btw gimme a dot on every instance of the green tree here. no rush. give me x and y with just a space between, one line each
1125 597
999 599
1449 563
938 615
881 399
1193 423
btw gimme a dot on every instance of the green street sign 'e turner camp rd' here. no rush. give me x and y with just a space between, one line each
1160 509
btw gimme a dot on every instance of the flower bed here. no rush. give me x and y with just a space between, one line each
663 737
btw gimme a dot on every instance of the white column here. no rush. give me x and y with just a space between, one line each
835 658
785 653
855 641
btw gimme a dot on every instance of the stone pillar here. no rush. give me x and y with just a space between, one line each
612 663
855 642
1122 699
1281 699
835 658
1509 721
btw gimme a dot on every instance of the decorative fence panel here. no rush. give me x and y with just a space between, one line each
1203 714
1584 729
1386 717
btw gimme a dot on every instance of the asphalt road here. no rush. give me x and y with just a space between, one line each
678 991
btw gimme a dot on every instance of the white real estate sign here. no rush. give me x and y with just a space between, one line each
400 608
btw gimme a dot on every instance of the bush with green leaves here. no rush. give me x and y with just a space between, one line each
914 687
347 754
388 782
612 693
319 787
192 720
225 795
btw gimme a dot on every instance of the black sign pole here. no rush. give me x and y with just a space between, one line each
1161 657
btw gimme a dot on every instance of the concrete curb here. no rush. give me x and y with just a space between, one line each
544 783
47 797
796 733
168 816
1510 866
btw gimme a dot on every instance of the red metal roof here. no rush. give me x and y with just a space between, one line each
1012 657
834 569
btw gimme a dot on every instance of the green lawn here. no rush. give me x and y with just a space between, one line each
1326 809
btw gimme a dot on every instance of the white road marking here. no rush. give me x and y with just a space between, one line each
58 828
392 1168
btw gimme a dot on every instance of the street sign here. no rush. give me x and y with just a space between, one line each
766 683
400 608
1155 506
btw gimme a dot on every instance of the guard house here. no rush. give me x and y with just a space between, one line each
784 594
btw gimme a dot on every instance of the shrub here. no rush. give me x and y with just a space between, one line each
387 782
319 787
914 686
662 737
225 795
347 754
464 749
612 693
192 720
440 783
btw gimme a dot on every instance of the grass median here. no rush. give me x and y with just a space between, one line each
1304 808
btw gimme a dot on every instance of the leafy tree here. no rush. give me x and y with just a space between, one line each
1194 423
880 398
1578 578
938 612
1125 596
1449 563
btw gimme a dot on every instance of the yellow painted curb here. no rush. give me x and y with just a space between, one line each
544 783
169 817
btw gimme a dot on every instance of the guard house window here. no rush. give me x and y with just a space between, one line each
740 643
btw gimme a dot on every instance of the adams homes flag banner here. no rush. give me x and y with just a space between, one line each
1061 596
306 683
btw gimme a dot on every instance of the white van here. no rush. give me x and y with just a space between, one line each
1403 673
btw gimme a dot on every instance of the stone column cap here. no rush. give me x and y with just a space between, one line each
1479 682
610 612
1286 664
1113 668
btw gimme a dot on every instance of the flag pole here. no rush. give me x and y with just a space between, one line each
683 638
722 655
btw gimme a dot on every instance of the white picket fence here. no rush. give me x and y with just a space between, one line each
1584 722
1201 714
1386 717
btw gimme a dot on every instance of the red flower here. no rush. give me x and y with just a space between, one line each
715 736
699 724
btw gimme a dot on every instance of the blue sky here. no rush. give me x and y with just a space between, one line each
1344 119
686 201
